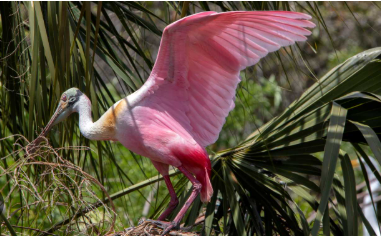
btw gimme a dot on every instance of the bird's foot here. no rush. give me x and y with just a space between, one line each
166 226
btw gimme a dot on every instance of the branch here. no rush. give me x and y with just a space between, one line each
112 197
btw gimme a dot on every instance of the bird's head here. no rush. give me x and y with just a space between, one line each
66 106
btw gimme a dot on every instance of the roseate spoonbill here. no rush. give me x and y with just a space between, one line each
183 104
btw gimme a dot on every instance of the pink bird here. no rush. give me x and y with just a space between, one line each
182 106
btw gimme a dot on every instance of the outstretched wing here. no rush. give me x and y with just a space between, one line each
193 82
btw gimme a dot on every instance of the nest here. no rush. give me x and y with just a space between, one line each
60 181
147 228
48 182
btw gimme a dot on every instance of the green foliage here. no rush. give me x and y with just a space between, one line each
266 182
256 101
285 147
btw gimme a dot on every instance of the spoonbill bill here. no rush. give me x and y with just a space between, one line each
182 106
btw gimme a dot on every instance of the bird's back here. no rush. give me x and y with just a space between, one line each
152 130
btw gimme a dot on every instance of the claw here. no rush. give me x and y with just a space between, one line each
171 226
166 226
159 223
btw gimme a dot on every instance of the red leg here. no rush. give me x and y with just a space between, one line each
174 201
196 190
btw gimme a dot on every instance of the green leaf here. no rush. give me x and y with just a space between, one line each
371 138
235 207
331 153
44 37
350 195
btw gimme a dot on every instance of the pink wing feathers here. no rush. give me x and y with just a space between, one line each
196 73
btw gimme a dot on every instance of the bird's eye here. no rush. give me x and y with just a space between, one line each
72 99
63 98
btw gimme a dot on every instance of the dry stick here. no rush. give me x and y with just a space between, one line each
88 176
149 228
112 197
312 216
9 226
37 230
375 200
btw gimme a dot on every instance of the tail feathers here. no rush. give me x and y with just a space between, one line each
207 190
196 161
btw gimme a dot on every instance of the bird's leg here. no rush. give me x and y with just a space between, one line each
174 200
196 190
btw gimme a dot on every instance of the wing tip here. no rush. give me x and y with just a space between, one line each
289 14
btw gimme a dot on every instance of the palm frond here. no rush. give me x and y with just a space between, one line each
283 150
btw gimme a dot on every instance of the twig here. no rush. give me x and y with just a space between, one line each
112 197
9 226
37 230
149 228
312 216
88 176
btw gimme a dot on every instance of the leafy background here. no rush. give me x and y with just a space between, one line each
268 184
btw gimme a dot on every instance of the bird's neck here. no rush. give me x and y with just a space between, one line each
89 129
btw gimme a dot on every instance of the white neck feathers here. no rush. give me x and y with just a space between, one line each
89 129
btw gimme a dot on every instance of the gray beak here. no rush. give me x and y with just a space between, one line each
59 115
